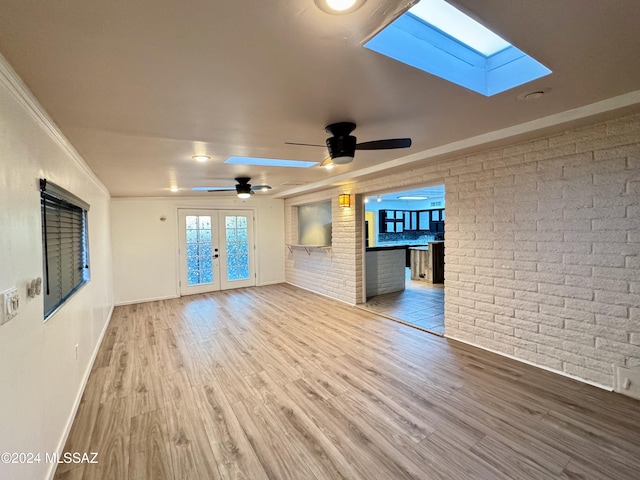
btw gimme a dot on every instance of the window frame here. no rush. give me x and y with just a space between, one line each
65 245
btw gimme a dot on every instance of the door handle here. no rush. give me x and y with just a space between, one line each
215 256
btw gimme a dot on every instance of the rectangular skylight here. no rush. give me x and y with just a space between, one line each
452 21
269 162
206 189
437 38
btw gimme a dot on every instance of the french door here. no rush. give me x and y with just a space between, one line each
216 250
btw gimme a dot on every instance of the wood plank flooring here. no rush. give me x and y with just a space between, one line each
278 383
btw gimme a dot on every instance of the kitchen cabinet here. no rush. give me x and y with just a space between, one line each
431 220
437 221
395 221
410 220
427 263
424 220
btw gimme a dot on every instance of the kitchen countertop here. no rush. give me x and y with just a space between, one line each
392 247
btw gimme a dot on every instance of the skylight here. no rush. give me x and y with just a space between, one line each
269 162
437 38
206 189
452 21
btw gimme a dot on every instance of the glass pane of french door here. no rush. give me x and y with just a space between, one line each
237 247
199 263
237 260
199 250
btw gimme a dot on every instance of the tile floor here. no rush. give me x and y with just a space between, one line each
420 304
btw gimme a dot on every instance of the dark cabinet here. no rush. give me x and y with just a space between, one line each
387 221
431 220
437 221
396 221
424 220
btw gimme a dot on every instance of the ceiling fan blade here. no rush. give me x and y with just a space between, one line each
384 144
305 144
225 189
260 187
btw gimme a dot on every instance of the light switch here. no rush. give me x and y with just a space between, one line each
10 305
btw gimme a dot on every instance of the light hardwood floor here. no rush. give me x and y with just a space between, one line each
278 383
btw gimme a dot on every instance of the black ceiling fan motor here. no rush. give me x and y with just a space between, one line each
341 143
243 186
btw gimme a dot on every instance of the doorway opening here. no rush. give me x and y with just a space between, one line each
216 250
404 259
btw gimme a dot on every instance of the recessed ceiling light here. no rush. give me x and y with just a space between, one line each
201 158
339 7
366 200
379 199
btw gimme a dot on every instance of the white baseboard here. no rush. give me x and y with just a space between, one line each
145 300
321 294
171 297
521 360
74 411
274 282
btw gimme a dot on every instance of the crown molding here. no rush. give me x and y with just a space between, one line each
14 85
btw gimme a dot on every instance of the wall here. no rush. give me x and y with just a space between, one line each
145 249
385 271
542 243
336 272
41 379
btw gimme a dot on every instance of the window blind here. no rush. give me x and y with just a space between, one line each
64 240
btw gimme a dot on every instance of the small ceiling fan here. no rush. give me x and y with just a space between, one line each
243 188
342 145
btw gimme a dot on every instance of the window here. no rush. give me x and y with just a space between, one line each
314 224
64 244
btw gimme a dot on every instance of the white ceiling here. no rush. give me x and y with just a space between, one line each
140 86
432 193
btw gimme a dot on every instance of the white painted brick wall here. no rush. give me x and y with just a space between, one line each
564 221
542 248
385 271
336 272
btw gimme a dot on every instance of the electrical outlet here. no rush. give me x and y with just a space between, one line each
627 381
